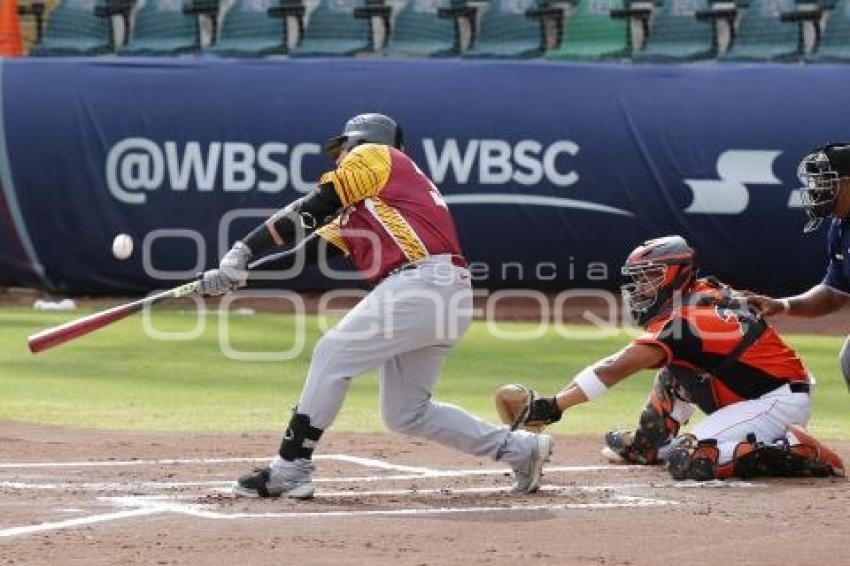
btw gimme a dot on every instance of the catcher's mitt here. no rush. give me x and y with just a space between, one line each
522 407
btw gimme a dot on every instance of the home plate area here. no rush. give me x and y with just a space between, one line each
66 495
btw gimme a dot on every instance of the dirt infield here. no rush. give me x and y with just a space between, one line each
100 497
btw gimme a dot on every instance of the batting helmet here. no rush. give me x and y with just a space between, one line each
821 172
366 128
657 269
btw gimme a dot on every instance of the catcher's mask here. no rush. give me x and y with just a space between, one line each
657 269
821 173
366 128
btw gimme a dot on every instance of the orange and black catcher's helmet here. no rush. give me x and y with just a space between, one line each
657 270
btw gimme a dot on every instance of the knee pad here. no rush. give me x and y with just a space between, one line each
300 438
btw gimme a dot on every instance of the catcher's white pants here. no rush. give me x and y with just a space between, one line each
405 327
767 418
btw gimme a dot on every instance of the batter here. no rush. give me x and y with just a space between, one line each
378 209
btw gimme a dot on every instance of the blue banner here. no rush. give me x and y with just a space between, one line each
553 171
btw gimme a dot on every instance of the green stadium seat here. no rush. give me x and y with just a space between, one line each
248 31
333 31
591 34
835 41
505 32
763 36
74 29
162 28
676 35
419 31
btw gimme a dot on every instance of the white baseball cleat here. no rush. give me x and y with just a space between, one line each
281 479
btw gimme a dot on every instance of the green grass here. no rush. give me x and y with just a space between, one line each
120 378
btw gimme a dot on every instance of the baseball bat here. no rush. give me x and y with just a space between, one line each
80 327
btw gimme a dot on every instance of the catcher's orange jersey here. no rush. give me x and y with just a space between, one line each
700 337
392 213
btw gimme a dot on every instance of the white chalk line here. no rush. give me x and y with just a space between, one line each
367 462
218 485
206 512
430 475
78 522
150 505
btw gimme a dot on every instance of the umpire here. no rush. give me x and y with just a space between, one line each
826 175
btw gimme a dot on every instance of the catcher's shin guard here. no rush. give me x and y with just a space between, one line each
655 427
692 459
818 460
300 439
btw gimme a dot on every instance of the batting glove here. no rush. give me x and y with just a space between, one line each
231 274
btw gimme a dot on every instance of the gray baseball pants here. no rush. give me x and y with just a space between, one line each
405 327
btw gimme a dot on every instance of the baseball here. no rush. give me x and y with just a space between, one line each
122 246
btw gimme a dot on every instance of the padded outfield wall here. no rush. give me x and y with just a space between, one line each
553 171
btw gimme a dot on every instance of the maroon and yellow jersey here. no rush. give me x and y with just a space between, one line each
392 213
701 337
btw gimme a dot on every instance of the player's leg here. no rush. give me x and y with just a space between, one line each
406 384
724 444
665 412
360 342
407 311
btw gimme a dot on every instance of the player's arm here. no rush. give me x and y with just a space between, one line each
596 379
818 301
593 381
288 226
310 250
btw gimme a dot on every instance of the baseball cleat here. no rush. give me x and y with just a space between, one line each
528 475
611 456
260 483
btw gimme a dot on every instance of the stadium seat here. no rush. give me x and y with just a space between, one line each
333 31
590 34
763 36
420 32
506 32
835 40
677 35
248 31
74 29
162 28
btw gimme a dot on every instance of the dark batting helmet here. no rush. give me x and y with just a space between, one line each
657 269
821 172
366 128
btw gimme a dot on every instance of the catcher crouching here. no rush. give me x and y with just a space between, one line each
712 353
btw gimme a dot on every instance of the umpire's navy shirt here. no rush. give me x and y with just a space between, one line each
838 246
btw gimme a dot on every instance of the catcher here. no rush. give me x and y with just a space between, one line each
712 353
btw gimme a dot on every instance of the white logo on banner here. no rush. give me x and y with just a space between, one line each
135 166
729 194
499 162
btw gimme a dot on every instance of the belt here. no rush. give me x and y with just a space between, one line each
456 260
799 387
